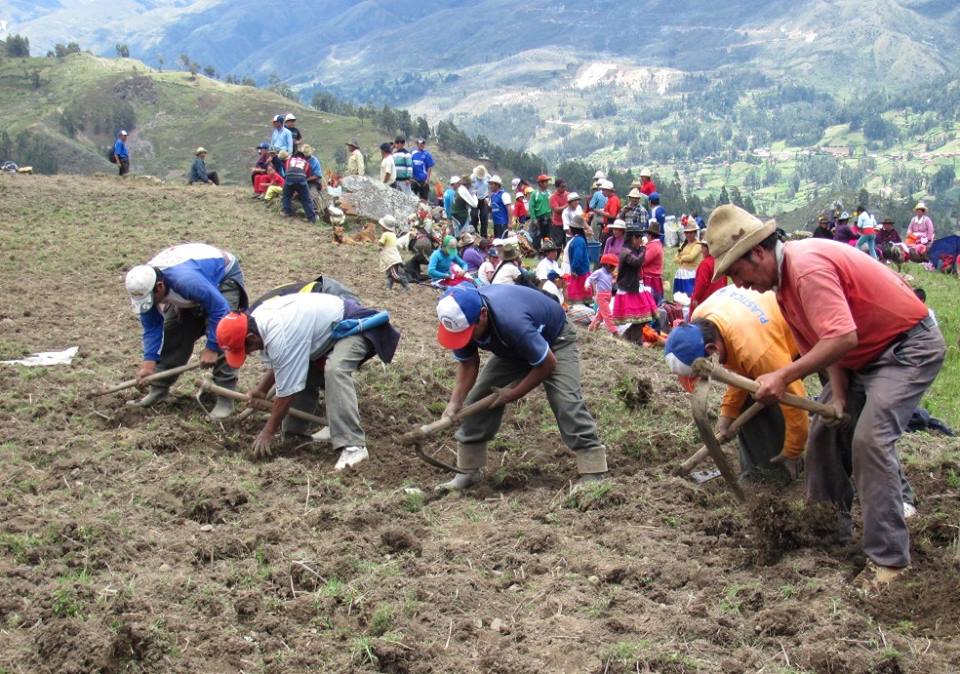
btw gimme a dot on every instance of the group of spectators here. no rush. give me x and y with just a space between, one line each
883 241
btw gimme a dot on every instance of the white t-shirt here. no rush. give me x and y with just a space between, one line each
568 216
295 330
388 168
544 267
485 273
507 273
552 288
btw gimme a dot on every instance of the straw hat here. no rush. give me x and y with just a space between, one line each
732 233
480 172
606 185
307 150
388 222
573 196
283 155
496 179
635 194
920 206
599 175
691 226
577 222
353 143
646 173
200 150
466 239
618 224
653 228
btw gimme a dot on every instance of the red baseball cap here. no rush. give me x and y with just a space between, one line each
609 258
232 338
543 177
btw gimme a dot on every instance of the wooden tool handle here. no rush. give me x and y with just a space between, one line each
705 368
445 422
731 432
259 403
130 383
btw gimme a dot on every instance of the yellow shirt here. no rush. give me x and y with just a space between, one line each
690 255
355 164
758 341
389 252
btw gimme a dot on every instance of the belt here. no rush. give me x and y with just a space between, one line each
926 324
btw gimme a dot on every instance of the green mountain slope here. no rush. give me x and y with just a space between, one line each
62 114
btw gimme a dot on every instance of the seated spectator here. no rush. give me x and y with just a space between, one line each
260 168
262 182
470 252
316 169
198 171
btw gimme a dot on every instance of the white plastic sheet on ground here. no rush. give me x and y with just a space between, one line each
46 358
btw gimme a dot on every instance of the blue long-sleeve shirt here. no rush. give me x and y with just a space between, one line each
192 273
597 201
120 150
282 139
579 257
316 168
449 196
440 261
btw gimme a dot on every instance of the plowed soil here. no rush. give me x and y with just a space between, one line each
149 541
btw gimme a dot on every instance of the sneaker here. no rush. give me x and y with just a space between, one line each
154 396
351 456
909 510
323 435
223 408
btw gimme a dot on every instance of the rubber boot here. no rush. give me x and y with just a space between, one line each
471 458
592 466
223 408
155 395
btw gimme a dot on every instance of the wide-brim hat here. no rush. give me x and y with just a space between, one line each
598 175
573 196
200 150
920 206
606 184
548 246
653 227
577 222
634 194
618 224
887 221
467 239
353 143
646 173
388 222
509 252
691 226
480 171
732 233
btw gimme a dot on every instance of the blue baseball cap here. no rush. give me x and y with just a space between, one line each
684 345
458 311
654 196
263 146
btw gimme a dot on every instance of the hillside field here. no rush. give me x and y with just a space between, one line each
149 541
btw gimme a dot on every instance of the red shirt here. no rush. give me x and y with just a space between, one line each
828 289
703 287
612 209
648 187
558 200
520 207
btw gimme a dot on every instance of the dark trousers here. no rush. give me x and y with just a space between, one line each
539 229
421 189
480 216
302 188
760 440
124 166
557 235
212 176
183 327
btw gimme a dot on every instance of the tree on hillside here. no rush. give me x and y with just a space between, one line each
210 72
123 51
185 61
724 198
943 180
276 85
160 63
324 101
18 46
735 197
422 128
748 205
248 81
863 198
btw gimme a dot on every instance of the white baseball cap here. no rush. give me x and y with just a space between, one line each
606 185
573 196
140 283
515 182
290 117
454 179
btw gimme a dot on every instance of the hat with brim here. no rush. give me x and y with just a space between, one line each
495 180
353 143
232 338
573 196
887 221
577 222
618 224
732 233
653 227
691 226
920 206
548 246
509 252
388 222
543 178
646 173
200 150
454 179
458 310
467 239
634 194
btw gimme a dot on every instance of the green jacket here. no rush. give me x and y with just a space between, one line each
539 204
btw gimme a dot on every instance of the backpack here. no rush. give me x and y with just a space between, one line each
112 158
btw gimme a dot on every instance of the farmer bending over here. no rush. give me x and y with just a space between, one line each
528 334
304 349
856 319
180 295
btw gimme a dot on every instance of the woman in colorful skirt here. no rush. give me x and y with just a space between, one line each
578 260
633 303
688 259
652 274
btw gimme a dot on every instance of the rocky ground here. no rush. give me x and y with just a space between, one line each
148 541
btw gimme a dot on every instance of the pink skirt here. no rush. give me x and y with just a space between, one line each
576 290
634 307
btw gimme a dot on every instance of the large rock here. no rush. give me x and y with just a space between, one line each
366 198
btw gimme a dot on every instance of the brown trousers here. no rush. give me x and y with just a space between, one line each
880 400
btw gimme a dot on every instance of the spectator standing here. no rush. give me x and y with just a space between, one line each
501 207
422 169
282 137
572 211
558 203
403 163
388 170
647 186
658 213
540 211
480 188
289 121
198 170
121 153
520 212
653 262
356 166
449 196
295 181
463 201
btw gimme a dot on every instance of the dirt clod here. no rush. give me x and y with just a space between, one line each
398 541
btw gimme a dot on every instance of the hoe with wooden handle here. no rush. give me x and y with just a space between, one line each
130 383
257 403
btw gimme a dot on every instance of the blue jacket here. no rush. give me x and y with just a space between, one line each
422 162
316 168
449 195
198 172
192 273
579 257
120 149
439 267
282 139
498 210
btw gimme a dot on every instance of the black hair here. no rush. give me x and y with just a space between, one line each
770 242
921 294
709 329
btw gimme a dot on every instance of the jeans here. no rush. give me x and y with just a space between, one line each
302 188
